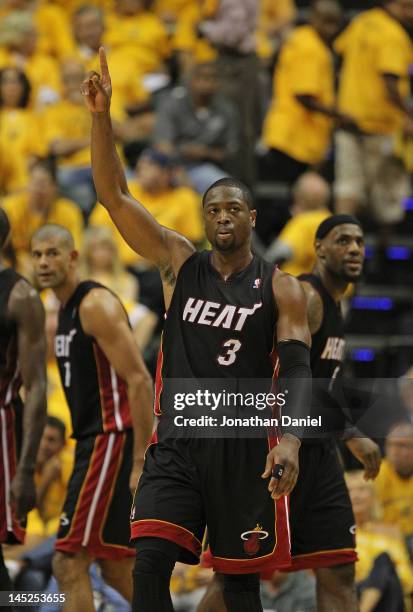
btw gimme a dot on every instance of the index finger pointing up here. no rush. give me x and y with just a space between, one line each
104 70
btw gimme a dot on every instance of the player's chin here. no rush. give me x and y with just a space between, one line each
352 276
45 282
225 246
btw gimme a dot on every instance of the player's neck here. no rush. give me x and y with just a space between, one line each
228 264
65 291
334 286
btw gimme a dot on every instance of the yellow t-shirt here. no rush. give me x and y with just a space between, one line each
372 45
299 234
396 498
185 38
67 120
305 67
53 26
143 35
24 222
20 133
12 172
178 209
371 544
42 72
53 502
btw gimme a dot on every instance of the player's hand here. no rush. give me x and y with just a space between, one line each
135 474
286 455
97 90
368 453
22 494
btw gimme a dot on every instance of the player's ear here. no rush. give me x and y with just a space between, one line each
253 217
74 256
319 249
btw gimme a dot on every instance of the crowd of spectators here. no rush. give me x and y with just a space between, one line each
307 99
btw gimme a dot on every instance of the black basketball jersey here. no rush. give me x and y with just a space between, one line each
96 395
218 328
327 346
10 380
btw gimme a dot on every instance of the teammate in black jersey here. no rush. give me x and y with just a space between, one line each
321 517
22 360
226 312
109 392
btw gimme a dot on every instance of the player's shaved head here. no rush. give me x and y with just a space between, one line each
52 231
230 182
4 227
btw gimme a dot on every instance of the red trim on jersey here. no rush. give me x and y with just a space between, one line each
114 401
168 531
158 380
7 436
325 558
96 547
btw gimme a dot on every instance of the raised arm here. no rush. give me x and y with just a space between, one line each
103 317
166 249
293 342
26 309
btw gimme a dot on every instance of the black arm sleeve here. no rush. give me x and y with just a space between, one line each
294 380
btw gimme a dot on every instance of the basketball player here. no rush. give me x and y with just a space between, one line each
22 360
321 517
109 392
225 309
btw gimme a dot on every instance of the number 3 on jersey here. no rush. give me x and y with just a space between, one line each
229 356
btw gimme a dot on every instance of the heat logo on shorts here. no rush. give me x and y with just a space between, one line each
252 539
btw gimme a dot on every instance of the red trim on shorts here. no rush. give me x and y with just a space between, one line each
108 551
249 566
17 533
73 541
168 531
109 406
325 558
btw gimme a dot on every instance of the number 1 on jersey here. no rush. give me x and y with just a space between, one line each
68 373
232 346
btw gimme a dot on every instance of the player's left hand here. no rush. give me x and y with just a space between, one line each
22 494
135 474
368 453
286 455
